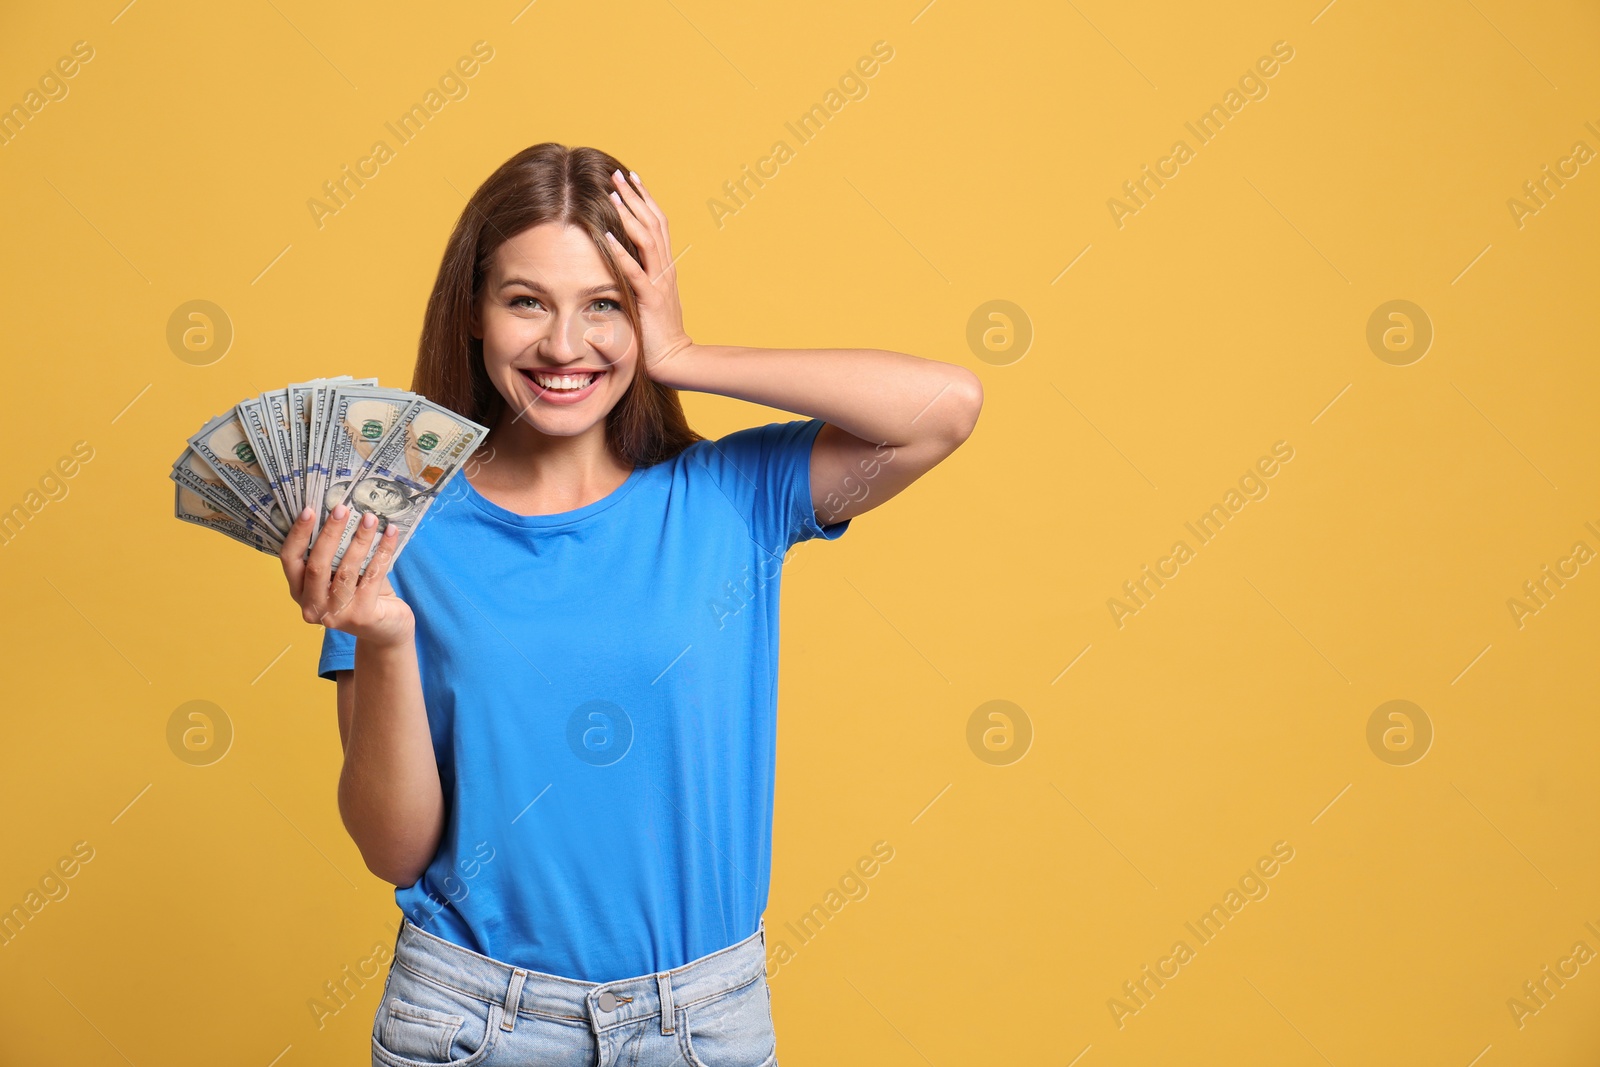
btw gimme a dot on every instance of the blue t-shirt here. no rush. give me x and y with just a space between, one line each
601 687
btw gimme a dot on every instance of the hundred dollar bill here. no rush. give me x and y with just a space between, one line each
190 506
317 399
195 474
301 397
252 415
359 418
426 448
317 436
222 443
312 483
275 403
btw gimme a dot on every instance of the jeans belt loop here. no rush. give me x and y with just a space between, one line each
668 1012
513 999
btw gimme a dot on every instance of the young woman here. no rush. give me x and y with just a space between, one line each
559 710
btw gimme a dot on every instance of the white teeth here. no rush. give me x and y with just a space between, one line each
565 381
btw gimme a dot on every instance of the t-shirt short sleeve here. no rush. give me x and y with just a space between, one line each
765 472
338 653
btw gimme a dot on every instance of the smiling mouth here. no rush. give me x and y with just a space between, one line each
564 382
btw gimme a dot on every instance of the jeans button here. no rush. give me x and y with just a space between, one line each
608 1001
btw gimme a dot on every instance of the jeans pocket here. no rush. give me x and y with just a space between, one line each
423 1023
733 1029
418 1032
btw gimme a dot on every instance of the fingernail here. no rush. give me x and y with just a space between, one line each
305 513
391 530
340 511
611 235
369 520
617 174
635 177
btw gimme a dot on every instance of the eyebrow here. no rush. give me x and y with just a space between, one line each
593 290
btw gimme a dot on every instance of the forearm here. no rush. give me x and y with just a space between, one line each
389 792
879 396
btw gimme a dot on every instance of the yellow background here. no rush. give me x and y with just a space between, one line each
1228 314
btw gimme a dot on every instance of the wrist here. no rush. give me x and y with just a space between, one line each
675 367
386 643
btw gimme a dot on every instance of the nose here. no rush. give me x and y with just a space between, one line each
572 338
566 338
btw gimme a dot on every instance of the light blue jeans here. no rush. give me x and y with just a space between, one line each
447 1006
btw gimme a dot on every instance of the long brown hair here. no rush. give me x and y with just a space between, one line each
545 183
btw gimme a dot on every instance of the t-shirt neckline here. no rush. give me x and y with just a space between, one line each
559 518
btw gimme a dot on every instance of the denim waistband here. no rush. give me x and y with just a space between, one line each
602 1005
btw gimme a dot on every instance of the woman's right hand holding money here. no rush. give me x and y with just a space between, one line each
363 605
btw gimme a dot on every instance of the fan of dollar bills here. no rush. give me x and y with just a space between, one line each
249 471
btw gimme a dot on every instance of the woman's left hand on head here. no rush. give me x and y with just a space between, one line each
655 283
